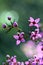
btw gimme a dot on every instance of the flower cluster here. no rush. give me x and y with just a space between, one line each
13 24
34 22
13 61
34 35
20 35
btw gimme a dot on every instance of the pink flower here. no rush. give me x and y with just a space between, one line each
34 22
35 35
19 37
12 60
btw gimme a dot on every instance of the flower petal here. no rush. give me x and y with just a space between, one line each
31 19
18 42
14 60
33 38
22 40
31 24
37 20
21 34
16 36
39 35
37 30
36 25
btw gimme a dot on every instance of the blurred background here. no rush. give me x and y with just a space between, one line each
20 10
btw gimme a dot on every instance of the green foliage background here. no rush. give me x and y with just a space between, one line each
25 9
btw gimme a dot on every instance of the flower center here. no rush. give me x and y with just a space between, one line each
42 44
20 38
34 22
35 32
42 49
34 35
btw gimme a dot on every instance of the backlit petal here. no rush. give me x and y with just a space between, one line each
18 42
37 20
16 36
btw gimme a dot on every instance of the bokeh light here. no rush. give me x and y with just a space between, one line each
3 17
39 51
29 49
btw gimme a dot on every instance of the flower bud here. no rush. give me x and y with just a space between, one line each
15 24
4 25
9 17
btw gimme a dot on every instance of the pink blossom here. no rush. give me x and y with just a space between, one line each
35 35
39 47
12 60
19 37
34 22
